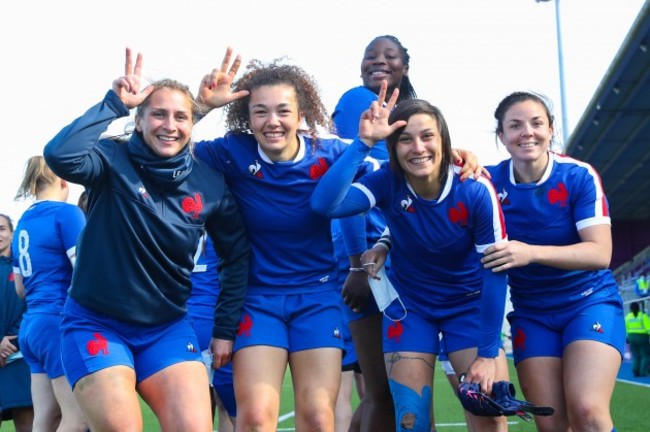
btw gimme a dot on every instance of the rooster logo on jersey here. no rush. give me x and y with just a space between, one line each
318 170
407 204
142 191
519 340
193 205
245 326
97 345
503 197
459 214
558 195
255 168
395 331
597 327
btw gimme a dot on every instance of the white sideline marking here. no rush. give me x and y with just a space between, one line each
286 417
293 414
463 424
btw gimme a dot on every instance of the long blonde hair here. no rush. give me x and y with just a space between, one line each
37 177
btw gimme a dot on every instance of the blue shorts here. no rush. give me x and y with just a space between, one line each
40 343
459 326
226 393
203 329
350 358
92 342
546 335
295 322
350 361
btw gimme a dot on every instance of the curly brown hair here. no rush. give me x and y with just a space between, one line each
259 74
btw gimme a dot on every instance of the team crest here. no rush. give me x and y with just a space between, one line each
459 214
395 331
519 340
97 345
193 205
318 170
245 326
559 195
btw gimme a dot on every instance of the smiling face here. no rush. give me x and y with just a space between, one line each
419 149
166 122
274 119
527 131
382 60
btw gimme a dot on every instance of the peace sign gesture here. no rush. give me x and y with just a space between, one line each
373 125
215 91
127 87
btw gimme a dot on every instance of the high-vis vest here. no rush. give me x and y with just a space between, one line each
639 324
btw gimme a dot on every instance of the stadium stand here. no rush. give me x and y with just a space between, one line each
613 135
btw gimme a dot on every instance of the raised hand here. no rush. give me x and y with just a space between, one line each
127 87
373 125
215 89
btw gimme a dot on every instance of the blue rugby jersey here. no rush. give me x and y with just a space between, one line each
205 280
436 243
291 244
568 198
44 243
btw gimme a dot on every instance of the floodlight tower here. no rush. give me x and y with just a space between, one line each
560 56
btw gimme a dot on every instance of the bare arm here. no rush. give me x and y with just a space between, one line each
593 252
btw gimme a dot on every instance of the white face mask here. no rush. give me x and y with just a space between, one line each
384 293
207 356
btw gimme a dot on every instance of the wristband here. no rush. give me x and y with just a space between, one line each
357 269
384 241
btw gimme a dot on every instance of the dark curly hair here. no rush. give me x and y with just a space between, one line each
259 74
